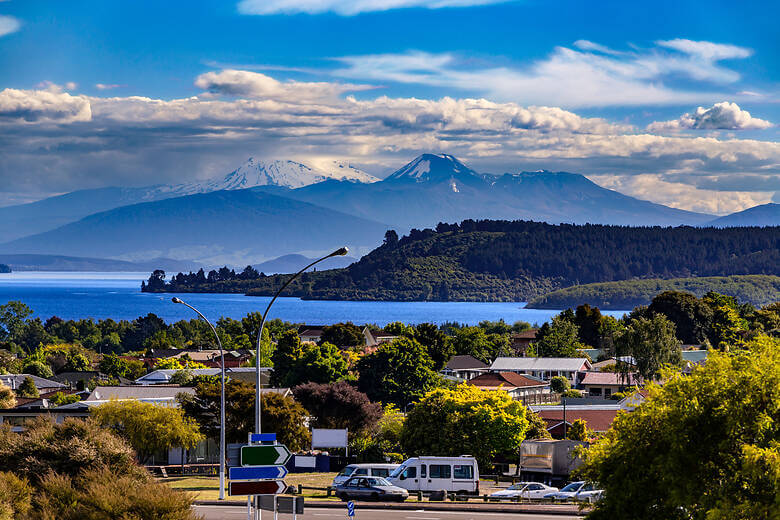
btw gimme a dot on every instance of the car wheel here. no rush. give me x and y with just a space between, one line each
374 496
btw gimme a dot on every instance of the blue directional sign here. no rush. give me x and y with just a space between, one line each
350 508
263 437
256 472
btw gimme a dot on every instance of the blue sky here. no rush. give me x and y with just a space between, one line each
106 93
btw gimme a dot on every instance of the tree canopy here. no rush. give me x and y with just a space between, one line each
338 405
702 446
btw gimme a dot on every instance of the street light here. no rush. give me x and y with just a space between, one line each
258 424
221 400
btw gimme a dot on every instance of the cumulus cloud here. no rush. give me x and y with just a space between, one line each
137 140
43 106
589 74
8 25
720 116
348 7
256 85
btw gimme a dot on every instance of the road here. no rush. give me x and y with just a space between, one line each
366 513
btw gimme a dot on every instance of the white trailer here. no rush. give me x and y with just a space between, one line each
451 474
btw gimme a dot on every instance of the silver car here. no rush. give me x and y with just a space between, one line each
525 490
370 488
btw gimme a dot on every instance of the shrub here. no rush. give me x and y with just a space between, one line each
15 496
572 393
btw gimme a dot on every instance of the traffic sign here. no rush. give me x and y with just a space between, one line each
256 487
350 508
264 455
256 472
262 437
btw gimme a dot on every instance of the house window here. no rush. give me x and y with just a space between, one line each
596 392
607 392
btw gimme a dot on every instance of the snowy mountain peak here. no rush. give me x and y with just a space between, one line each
432 167
254 172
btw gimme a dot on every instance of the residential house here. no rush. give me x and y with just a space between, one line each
310 333
163 376
464 367
517 386
375 338
604 384
520 341
597 417
213 358
573 369
44 386
80 380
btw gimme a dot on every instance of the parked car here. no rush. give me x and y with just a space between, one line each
452 474
364 470
525 490
370 488
580 490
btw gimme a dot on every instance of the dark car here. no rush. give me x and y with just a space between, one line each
370 488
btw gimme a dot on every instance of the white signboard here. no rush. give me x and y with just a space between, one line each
327 438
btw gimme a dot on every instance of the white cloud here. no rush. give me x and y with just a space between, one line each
720 116
116 139
348 7
106 86
43 106
8 25
255 85
655 188
588 75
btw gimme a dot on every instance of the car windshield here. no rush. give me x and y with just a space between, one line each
574 486
517 487
378 481
347 471
397 471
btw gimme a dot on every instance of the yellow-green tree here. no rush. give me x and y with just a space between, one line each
579 431
463 420
147 427
7 397
177 363
703 446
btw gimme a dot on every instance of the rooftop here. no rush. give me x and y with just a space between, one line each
509 380
609 378
599 419
15 380
540 363
464 362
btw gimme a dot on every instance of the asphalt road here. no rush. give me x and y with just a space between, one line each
366 513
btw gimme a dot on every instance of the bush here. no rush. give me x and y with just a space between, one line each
15 496
572 393
559 384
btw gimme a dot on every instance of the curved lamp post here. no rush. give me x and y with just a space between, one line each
258 424
221 400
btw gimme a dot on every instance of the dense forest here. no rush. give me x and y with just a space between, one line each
491 260
4 268
753 289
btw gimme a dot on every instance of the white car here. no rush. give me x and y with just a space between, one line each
525 490
580 490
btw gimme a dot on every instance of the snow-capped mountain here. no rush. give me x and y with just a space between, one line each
432 167
285 173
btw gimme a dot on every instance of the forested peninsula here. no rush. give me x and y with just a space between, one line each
755 289
495 260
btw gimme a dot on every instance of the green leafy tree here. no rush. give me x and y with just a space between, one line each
37 368
692 317
12 317
343 335
113 365
148 428
398 372
435 341
282 415
28 388
60 398
561 339
296 363
652 343
702 446
559 384
537 428
338 405
465 419
579 431
476 342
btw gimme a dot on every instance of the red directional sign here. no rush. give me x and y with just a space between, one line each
256 487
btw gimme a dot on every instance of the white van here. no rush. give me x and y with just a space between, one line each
364 470
453 474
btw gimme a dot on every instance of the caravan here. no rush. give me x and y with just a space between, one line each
451 474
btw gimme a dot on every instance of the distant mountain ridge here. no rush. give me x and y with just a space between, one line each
73 263
763 215
293 262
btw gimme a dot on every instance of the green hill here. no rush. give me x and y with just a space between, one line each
494 260
755 289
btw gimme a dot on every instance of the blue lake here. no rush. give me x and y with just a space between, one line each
118 296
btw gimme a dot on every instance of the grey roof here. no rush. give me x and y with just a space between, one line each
464 362
163 375
540 363
14 380
103 393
